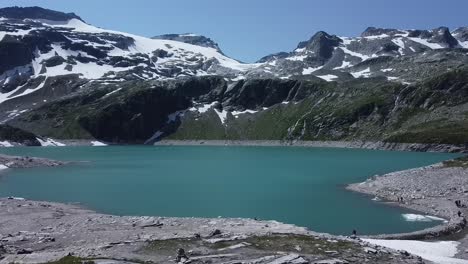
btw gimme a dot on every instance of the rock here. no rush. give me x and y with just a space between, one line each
370 250
290 259
24 251
216 232
330 261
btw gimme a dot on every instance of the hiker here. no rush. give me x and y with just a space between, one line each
181 256
459 214
354 235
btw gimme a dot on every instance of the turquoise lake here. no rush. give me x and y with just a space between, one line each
302 186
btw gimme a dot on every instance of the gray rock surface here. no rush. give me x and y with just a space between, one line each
39 232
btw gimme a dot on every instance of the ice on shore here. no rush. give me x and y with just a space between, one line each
97 144
48 142
6 144
441 252
421 218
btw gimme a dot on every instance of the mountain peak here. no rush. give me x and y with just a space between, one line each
321 44
191 38
36 12
374 31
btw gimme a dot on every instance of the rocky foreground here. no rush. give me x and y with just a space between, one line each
41 232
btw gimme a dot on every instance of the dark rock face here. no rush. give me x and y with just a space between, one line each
134 120
13 53
253 94
442 35
16 135
461 34
321 44
35 13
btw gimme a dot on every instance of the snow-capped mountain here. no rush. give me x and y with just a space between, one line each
328 56
47 55
63 78
39 44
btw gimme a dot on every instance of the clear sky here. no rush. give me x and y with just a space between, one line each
250 29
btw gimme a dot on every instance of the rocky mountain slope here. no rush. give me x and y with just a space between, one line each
63 78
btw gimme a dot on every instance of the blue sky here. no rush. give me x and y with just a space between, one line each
249 29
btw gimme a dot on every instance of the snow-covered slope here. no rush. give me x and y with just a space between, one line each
324 53
42 48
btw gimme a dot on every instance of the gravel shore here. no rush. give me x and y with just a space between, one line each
325 144
431 190
39 232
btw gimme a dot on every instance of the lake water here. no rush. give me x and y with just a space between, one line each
303 186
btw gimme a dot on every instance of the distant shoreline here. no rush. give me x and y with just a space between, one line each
377 145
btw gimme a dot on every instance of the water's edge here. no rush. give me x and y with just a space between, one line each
375 145
454 224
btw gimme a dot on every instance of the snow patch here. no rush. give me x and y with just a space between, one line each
427 43
297 58
381 36
442 252
310 70
238 78
6 144
113 92
48 142
248 111
421 218
328 77
97 144
345 64
355 54
399 42
364 73
222 115
203 109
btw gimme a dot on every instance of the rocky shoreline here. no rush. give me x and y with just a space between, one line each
41 232
377 145
431 190
7 161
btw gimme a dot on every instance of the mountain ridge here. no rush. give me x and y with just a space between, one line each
69 79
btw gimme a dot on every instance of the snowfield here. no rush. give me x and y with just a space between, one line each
442 252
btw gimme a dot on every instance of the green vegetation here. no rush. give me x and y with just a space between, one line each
71 260
370 109
438 132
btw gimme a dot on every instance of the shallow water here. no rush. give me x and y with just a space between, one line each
303 186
